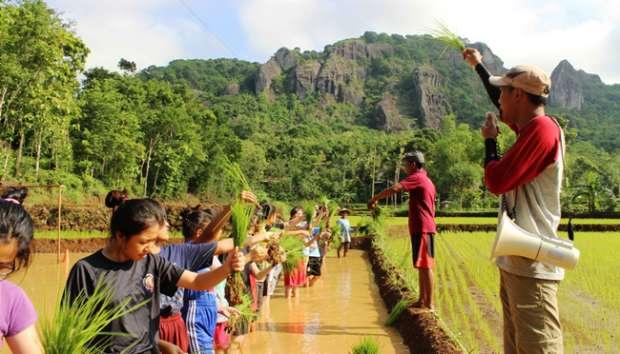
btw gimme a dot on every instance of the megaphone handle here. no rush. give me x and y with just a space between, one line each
511 213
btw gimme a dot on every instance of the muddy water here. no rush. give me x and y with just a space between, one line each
331 317
43 281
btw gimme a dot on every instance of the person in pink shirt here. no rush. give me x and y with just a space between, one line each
17 315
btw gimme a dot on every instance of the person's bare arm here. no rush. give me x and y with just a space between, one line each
372 203
25 342
204 281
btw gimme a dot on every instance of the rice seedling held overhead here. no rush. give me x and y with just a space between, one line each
443 34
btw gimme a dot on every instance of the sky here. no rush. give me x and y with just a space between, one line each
154 32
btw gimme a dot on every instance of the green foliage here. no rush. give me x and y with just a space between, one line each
75 325
367 345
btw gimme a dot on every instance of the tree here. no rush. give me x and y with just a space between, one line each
127 66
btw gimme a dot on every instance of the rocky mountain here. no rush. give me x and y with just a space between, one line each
392 82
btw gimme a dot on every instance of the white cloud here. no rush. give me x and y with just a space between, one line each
128 29
542 33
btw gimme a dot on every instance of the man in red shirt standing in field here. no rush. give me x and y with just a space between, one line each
422 226
529 178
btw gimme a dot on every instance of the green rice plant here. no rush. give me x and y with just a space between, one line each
294 252
240 322
443 34
309 212
240 218
368 345
78 326
235 175
398 309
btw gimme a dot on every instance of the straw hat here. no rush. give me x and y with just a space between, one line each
344 210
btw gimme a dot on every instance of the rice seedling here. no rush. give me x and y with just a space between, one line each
309 212
78 327
398 309
235 175
294 252
240 218
239 323
368 345
443 34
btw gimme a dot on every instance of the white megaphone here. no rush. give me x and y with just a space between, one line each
512 240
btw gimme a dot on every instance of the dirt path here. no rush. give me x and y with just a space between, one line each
331 317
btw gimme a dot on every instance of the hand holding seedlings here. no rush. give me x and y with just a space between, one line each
472 56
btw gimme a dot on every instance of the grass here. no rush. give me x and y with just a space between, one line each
467 290
367 346
396 221
354 219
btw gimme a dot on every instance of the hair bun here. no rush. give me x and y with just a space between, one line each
115 198
15 193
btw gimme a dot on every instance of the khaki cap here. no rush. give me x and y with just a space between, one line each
529 78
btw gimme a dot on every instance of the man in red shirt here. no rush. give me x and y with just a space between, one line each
422 226
529 178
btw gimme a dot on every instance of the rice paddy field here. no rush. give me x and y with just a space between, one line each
467 289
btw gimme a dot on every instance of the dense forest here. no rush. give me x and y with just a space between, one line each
303 125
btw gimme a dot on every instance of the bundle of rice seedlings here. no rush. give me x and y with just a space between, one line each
367 346
275 252
239 324
309 212
294 249
398 309
235 175
240 218
74 326
443 34
377 215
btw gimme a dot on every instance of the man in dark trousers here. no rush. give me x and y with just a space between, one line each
529 178
422 226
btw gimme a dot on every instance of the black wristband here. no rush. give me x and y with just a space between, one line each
490 150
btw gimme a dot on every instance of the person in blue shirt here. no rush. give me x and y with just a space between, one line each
345 231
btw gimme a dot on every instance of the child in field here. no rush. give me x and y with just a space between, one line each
17 315
127 266
297 277
314 255
345 231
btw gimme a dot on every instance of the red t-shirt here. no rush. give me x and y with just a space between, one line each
421 202
537 147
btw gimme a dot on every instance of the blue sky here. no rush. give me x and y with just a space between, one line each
154 32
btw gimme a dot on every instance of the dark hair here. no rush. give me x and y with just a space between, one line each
136 215
16 223
415 157
294 211
536 100
266 211
195 218
115 198
17 193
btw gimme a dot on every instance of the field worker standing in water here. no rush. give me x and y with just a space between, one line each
422 226
529 178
